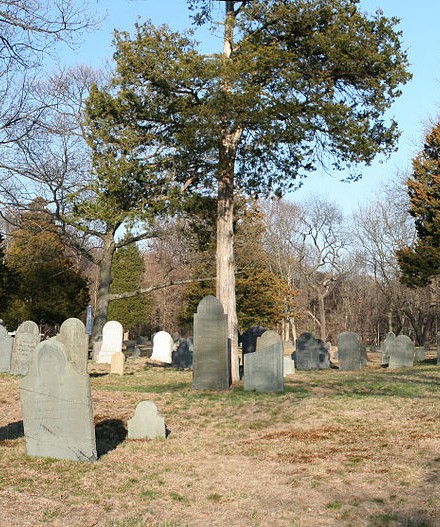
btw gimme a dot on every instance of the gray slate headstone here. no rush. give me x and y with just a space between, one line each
75 339
211 348
26 339
351 352
249 339
6 342
402 354
387 346
264 369
183 355
146 422
419 355
57 406
311 353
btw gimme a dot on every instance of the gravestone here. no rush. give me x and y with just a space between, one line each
163 345
249 339
6 342
311 353
419 355
26 338
288 348
75 339
402 353
112 333
146 423
117 364
57 406
264 369
211 347
289 366
136 352
183 356
96 349
387 346
351 352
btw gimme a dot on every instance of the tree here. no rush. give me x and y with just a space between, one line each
49 290
299 84
420 262
127 273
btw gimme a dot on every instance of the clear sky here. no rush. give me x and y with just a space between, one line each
419 103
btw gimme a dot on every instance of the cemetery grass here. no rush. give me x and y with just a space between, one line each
357 449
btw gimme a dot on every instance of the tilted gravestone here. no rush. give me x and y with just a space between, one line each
146 423
311 353
112 334
402 353
182 357
387 346
26 339
351 352
211 347
6 342
57 406
117 366
264 369
75 339
163 345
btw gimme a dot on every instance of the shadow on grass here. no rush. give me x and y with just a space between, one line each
96 374
109 434
12 431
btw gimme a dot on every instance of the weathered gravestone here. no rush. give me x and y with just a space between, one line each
387 346
211 347
75 339
419 355
117 364
112 333
183 355
6 342
146 423
26 338
163 345
264 369
311 353
402 353
249 339
57 406
288 365
351 352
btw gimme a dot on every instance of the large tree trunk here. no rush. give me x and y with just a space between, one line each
104 281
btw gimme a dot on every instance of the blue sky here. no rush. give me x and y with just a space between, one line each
419 103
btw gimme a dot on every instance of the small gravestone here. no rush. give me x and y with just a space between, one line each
75 339
136 352
419 355
57 406
249 339
117 364
311 353
211 347
264 369
163 345
26 339
351 352
387 346
183 355
289 366
6 342
112 333
402 353
146 423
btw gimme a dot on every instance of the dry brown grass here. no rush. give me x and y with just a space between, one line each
336 449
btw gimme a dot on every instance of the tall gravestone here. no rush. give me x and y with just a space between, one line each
211 347
6 342
402 353
57 406
264 369
311 353
351 352
387 346
75 339
163 345
112 334
26 339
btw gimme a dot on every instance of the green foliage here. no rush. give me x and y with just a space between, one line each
49 290
421 262
127 273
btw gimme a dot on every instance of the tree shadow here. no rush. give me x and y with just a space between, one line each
12 431
109 434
